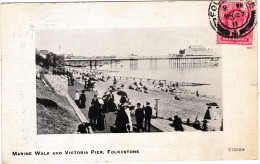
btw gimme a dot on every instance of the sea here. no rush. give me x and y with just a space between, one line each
205 73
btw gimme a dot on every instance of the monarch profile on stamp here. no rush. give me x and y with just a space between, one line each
234 21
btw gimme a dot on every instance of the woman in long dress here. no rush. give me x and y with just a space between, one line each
129 116
100 115
82 99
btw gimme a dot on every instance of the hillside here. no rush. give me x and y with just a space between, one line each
54 113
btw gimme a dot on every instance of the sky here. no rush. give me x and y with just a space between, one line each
122 42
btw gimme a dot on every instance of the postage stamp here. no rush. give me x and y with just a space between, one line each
234 21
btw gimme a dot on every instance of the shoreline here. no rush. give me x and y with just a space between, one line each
187 86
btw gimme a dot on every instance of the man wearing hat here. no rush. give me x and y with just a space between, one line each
148 115
76 98
111 100
139 116
96 102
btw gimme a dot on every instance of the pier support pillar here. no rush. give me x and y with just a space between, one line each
90 64
95 64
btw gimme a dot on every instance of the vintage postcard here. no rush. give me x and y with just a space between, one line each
129 81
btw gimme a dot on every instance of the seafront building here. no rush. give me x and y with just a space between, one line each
194 50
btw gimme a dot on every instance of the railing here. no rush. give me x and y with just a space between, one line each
156 81
107 71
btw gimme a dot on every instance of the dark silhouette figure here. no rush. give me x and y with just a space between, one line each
148 115
95 102
123 99
100 120
69 81
72 80
177 123
139 115
204 125
121 121
92 114
105 105
82 99
207 114
197 93
83 128
110 103
188 121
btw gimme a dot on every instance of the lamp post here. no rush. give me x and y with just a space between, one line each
156 106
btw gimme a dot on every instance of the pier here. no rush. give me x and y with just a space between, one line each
133 61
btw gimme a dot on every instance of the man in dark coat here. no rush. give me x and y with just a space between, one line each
148 115
82 99
110 103
105 105
95 101
121 121
92 114
72 80
139 115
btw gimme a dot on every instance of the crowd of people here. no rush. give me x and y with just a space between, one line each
125 111
123 121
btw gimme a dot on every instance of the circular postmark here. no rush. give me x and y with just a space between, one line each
232 19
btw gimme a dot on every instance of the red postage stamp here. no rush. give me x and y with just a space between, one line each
234 21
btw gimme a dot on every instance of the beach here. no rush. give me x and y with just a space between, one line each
189 106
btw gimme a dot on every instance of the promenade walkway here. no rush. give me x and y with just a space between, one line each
110 117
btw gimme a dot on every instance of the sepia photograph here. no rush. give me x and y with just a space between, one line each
129 81
138 80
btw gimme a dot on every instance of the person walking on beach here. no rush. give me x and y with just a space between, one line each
82 99
76 98
139 116
121 121
207 114
68 80
115 81
72 80
148 115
